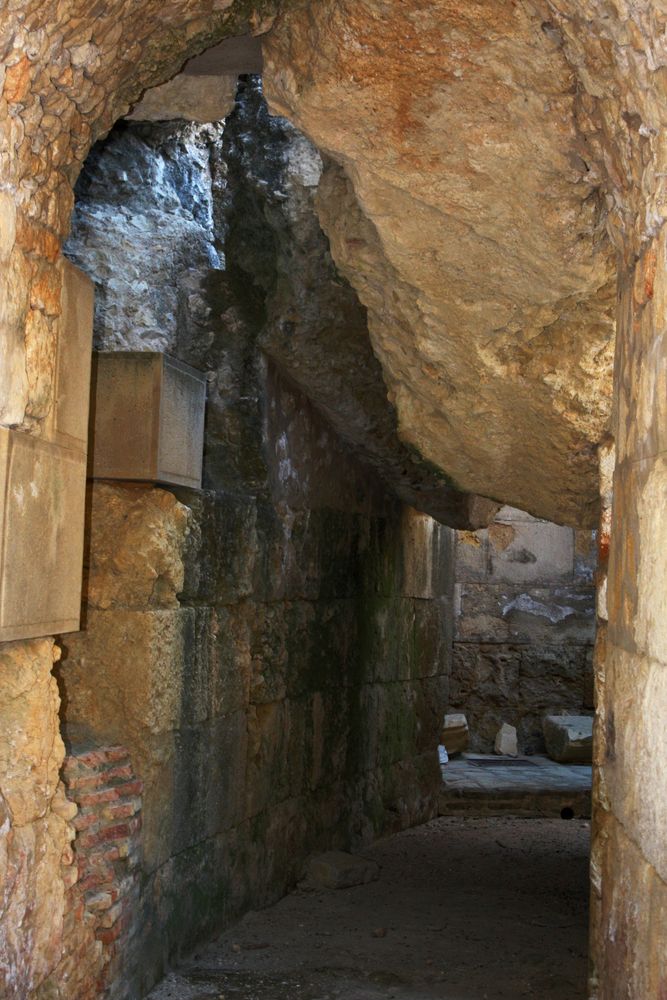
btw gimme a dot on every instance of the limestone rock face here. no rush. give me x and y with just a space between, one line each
461 210
34 836
137 540
315 329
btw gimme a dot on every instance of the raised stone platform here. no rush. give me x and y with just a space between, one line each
479 785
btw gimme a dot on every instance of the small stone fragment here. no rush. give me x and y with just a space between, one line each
569 738
339 870
455 735
506 744
379 932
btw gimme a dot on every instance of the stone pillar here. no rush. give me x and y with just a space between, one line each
629 868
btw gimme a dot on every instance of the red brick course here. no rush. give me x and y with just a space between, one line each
102 877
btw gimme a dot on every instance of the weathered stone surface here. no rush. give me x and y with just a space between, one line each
629 865
200 98
135 552
309 608
31 751
483 174
34 836
338 870
454 176
506 742
148 419
544 615
143 226
569 738
455 734
492 682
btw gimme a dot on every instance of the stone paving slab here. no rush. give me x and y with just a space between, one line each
483 785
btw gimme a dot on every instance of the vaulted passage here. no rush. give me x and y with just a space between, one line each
331 423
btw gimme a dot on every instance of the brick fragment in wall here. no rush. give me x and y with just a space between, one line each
104 881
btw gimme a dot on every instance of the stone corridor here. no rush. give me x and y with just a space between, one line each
332 408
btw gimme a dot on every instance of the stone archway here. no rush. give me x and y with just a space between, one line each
69 73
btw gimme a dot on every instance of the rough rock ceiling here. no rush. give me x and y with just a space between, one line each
467 219
477 150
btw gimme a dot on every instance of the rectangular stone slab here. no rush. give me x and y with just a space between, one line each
42 498
147 420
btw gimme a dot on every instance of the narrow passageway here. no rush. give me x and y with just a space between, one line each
464 909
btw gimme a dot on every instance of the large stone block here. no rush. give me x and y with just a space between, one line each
569 738
137 537
634 704
455 735
123 676
147 419
630 907
428 556
339 870
42 495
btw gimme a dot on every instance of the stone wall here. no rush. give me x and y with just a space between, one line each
274 650
524 627
288 700
629 854
103 884
36 859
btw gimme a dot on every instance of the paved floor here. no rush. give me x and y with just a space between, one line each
477 784
464 909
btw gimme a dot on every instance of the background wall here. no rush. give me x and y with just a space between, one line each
524 626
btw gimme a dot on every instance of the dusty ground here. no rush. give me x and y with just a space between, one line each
465 909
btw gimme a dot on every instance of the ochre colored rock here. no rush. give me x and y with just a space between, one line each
462 212
135 552
34 834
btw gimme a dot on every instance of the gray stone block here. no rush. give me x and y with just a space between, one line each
506 743
569 738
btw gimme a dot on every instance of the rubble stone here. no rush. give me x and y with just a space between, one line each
506 742
339 870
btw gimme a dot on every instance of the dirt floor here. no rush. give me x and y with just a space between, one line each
464 909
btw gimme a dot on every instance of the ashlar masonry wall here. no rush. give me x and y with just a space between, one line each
276 667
